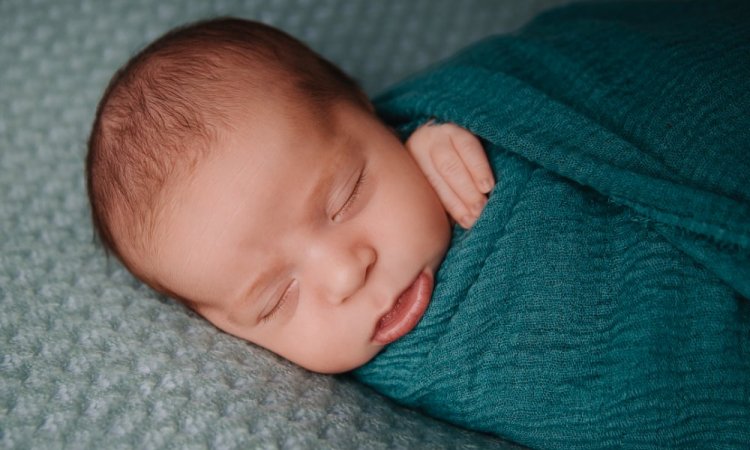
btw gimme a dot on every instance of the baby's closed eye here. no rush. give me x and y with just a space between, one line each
287 296
353 196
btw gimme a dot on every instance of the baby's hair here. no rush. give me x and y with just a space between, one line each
166 106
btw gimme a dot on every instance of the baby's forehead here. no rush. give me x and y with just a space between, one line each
254 146
281 135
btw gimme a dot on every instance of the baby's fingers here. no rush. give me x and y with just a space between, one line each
474 157
463 200
452 204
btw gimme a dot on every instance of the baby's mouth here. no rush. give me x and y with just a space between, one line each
406 312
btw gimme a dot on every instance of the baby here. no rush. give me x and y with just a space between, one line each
234 169
599 301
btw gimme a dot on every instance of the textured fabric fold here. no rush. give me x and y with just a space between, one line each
602 297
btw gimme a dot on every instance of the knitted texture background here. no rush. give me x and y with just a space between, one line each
602 298
89 357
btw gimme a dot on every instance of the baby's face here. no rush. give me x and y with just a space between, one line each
301 238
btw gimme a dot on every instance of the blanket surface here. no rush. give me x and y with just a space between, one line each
601 299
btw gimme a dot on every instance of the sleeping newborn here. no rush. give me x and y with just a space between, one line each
599 300
234 169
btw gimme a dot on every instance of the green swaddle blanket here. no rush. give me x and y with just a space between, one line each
602 298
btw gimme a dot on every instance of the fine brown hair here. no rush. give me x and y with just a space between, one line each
164 108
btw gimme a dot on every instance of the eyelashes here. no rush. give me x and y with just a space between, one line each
280 303
354 195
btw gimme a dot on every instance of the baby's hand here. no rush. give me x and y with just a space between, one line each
456 166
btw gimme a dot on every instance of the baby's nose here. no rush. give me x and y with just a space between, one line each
343 270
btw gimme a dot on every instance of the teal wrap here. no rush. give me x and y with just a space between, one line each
602 297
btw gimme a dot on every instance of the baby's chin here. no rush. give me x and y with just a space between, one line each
339 365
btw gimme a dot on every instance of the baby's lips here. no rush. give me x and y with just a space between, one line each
406 312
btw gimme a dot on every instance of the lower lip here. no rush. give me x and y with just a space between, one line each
407 311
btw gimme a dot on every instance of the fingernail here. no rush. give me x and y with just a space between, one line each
467 221
486 185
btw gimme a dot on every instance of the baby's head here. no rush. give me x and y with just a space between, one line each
234 169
